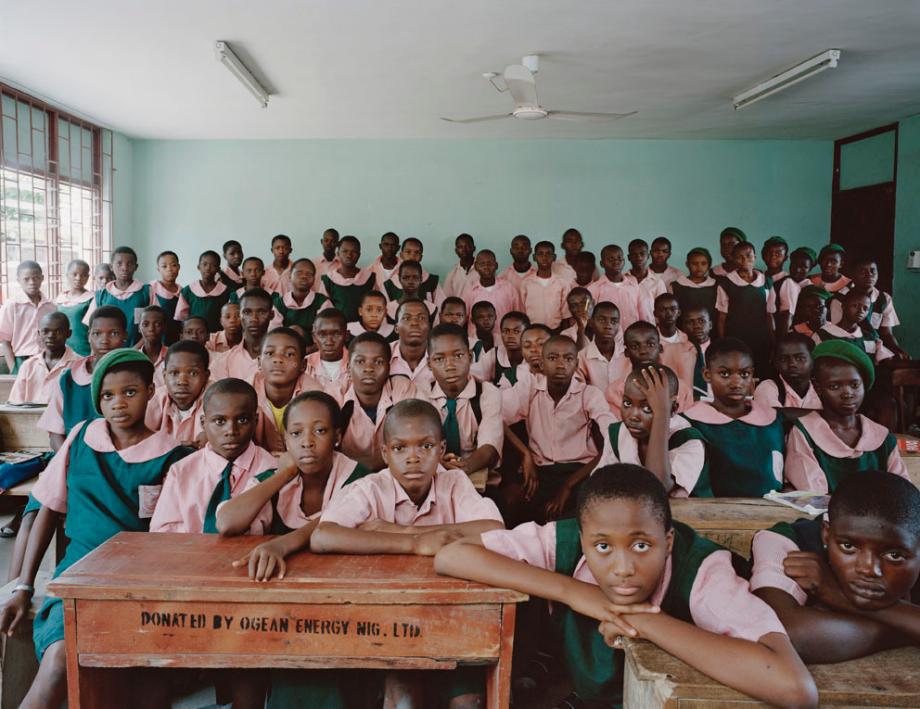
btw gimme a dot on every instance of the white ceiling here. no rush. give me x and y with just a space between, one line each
389 69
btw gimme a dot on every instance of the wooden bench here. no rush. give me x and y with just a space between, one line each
19 428
18 664
911 458
6 386
654 679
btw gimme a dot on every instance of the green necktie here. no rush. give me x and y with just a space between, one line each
700 386
220 494
452 428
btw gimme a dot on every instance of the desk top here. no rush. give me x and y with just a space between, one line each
734 513
197 567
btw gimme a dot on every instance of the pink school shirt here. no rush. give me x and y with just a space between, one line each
767 394
668 275
158 289
458 279
768 552
66 298
183 307
451 499
267 434
357 328
52 418
841 283
421 376
543 299
190 483
488 431
319 377
597 370
514 277
275 281
323 266
381 274
652 284
35 382
235 362
484 369
217 342
503 295
19 323
633 302
184 426
720 601
236 278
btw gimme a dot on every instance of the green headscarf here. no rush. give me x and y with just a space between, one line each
119 356
816 290
699 250
809 252
776 241
831 248
734 231
850 353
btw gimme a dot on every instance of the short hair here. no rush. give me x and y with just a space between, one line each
57 315
303 260
606 305
796 338
403 265
661 240
253 258
288 332
107 267
230 244
109 312
521 237
257 294
666 296
637 242
611 247
350 240
547 244
640 325
743 246
539 326
195 318
281 237
390 233
700 251
374 338
332 314
453 300
78 263
373 294
155 309
409 301
411 408
580 290
625 481
727 345
448 330
487 252
515 315
210 252
320 397
167 253
480 304
852 294
413 240
333 231
571 230
673 383
28 266
863 261
189 347
142 368
234 387
125 250
465 236
586 257
873 493
562 340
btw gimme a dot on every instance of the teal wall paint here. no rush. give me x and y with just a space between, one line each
907 234
868 161
192 195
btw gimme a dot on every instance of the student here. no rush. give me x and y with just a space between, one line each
299 305
231 329
385 265
500 364
21 315
413 250
699 287
329 242
585 270
580 304
346 283
564 418
104 478
532 340
242 361
661 252
410 280
231 275
409 354
667 315
521 265
790 390
463 272
543 293
600 361
810 310
745 304
787 289
328 366
102 276
196 329
453 310
483 322
38 374
729 238
744 438
801 262
572 244
372 316
623 567
690 356
73 303
653 435
830 259
179 401
277 278
639 274
206 296
152 325
633 302
841 585
166 291
826 446
125 292
501 293
253 273
852 327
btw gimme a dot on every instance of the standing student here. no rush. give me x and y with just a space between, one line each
20 317
483 322
810 310
667 315
729 238
580 304
413 250
179 402
500 364
501 293
801 261
572 244
773 253
231 275
633 302
463 272
299 305
691 355
166 293
852 327
385 265
231 329
453 310
410 282
329 242
125 293
152 325
253 273
196 329
543 293
242 361
791 389
585 269
640 274
599 362
73 303
277 278
372 316
39 373
346 283
699 287
328 366
828 445
206 296
409 354
661 252
830 259
102 274
521 266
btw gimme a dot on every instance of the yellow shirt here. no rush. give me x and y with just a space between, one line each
279 416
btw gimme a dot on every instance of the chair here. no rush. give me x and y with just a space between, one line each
904 383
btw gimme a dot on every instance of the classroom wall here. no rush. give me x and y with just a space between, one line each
192 195
907 234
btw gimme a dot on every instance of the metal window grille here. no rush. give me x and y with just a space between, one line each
55 190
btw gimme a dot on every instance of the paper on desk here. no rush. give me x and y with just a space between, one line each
811 503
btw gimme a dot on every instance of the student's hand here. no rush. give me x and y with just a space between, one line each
263 561
589 600
654 384
430 543
452 461
531 481
555 506
287 466
900 353
814 576
14 611
582 317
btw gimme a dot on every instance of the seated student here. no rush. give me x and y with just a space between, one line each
21 315
179 401
206 296
195 329
165 293
482 321
453 311
152 325
409 354
521 266
633 302
688 359
667 315
38 374
826 446
502 294
413 250
73 303
463 272
372 316
810 310
231 329
102 275
125 292
385 265
231 275
729 238
299 304
600 360
542 292
500 364
661 252
698 288
328 366
532 340
580 304
744 438
639 273
104 479
346 284
585 270
830 259
651 434
409 275
852 327
253 273
790 389
623 567
329 242
242 361
277 278
846 586
564 418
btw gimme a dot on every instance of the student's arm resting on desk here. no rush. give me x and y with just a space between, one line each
262 561
235 516
332 538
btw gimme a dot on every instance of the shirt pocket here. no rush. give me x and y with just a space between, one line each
147 496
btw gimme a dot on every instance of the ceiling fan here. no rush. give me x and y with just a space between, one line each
520 83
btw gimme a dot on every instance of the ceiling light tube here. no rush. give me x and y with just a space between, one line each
826 60
227 57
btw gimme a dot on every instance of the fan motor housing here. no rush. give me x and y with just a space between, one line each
529 113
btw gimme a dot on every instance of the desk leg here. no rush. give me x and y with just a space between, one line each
70 643
498 683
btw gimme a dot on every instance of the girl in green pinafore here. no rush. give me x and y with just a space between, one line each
347 284
206 297
622 567
698 288
299 306
165 291
105 479
74 303
125 293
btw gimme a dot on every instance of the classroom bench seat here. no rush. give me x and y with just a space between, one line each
6 386
19 428
17 652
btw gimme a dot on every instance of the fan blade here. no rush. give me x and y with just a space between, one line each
478 119
587 117
521 84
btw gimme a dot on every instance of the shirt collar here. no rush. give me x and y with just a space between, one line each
871 438
241 464
759 279
198 289
288 300
21 297
685 281
759 415
133 287
402 497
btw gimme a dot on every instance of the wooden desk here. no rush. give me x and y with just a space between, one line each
911 459
17 661
6 386
173 600
19 428
654 679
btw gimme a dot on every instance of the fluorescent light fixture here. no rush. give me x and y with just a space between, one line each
826 60
227 57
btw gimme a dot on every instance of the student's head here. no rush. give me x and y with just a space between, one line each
612 259
329 242
872 536
624 521
532 341
605 323
856 306
233 252
389 245
108 330
774 252
699 261
303 275
638 253
842 374
642 343
865 273
368 363
661 251
483 316
560 358
801 261
349 251
168 266
544 254
831 260
253 270
464 246
410 276
186 372
281 248
102 274
329 331
195 329
121 387
312 431
449 357
124 263
792 357
585 265
486 265
54 329
209 266
373 310
453 310
413 321
729 370
512 328
230 320
413 444
572 242
667 311
811 307
580 302
520 248
635 409
256 309
412 250
282 359
697 323
78 274
152 324
728 239
229 416
30 277
744 256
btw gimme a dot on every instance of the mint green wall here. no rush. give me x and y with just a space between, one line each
868 161
907 234
192 195
123 193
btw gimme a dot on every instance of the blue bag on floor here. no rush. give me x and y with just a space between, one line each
12 474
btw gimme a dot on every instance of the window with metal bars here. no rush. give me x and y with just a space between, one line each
55 190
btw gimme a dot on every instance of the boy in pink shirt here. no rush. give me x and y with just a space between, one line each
453 310
500 364
21 315
386 264
328 366
661 252
410 352
640 274
38 374
152 325
543 294
463 273
409 280
329 242
501 293
242 361
179 401
633 302
231 332
600 361
277 278
520 266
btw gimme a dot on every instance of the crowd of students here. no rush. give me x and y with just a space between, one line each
348 409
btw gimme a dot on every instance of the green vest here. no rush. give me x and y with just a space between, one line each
138 299
836 469
76 401
688 297
866 336
303 317
425 290
79 333
207 306
348 298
